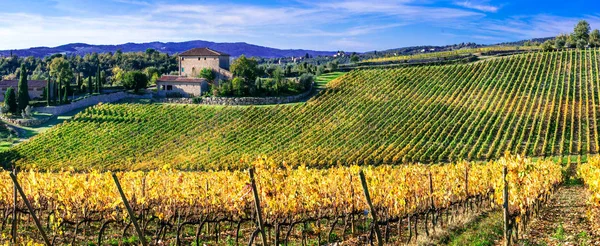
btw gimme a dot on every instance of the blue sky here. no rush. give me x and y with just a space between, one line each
350 25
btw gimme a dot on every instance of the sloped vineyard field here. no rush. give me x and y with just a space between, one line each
534 104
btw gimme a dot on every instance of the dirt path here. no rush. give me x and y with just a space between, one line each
563 221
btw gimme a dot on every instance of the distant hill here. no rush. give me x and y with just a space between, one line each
234 49
533 40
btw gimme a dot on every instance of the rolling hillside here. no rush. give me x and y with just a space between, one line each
234 49
535 104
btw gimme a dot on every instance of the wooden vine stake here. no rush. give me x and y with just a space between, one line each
363 181
130 211
14 213
505 207
257 206
30 208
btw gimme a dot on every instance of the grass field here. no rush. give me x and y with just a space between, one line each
536 104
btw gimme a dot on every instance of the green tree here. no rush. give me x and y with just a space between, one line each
10 100
581 32
149 71
154 78
79 83
23 89
238 86
47 91
135 80
560 41
102 81
571 43
117 75
258 84
207 73
288 70
245 68
89 85
333 65
354 58
65 98
581 44
61 71
547 46
98 79
595 38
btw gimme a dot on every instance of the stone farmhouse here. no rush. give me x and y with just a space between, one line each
36 87
191 62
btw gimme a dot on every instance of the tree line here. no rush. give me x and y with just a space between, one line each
581 38
253 79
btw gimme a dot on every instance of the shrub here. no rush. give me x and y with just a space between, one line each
135 80
10 100
207 74
307 80
28 112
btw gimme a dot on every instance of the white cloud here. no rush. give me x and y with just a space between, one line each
351 32
537 26
311 24
478 6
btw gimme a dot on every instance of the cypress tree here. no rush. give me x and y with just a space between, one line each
78 82
98 79
23 89
60 99
54 92
48 93
10 100
89 85
66 95
102 80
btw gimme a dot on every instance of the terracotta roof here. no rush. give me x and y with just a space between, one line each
202 52
30 83
175 78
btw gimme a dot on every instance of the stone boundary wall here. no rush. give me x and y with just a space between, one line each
90 101
239 100
26 122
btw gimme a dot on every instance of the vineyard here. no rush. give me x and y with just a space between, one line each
291 204
538 104
590 173
448 54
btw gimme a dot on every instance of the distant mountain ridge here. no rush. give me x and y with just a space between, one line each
234 49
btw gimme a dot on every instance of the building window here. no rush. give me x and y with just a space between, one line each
205 58
182 58
182 69
169 87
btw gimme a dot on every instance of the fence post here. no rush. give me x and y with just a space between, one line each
505 207
432 203
14 212
363 181
467 182
30 208
257 206
130 211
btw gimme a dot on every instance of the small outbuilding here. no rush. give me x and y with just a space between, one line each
179 85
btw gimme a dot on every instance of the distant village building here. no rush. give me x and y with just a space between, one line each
191 62
36 87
